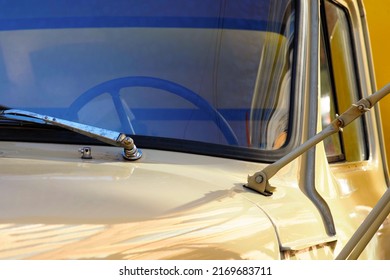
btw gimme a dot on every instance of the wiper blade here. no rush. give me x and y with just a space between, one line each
114 138
21 119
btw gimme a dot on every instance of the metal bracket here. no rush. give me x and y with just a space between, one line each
86 153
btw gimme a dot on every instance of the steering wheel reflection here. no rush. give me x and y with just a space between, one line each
114 86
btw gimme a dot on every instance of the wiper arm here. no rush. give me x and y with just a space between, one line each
114 138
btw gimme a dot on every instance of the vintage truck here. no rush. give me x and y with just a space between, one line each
188 130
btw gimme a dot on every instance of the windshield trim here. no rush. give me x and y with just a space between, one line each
17 131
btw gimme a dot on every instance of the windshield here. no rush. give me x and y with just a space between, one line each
199 71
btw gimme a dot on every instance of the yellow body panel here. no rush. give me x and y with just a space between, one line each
378 14
64 207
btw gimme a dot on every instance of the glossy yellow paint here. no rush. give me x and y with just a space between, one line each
378 15
165 206
55 205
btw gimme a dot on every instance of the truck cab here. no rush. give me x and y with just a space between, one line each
131 130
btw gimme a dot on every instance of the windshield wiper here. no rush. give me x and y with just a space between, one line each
114 138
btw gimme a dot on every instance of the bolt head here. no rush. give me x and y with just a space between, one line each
259 179
128 141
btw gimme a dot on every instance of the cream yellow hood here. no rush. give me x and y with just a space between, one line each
55 205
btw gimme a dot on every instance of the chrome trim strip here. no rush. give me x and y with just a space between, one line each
307 182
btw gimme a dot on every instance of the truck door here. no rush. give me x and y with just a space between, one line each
355 155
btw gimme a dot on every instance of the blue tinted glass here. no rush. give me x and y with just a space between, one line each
209 71
247 14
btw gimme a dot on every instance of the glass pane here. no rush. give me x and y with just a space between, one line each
345 79
328 106
201 70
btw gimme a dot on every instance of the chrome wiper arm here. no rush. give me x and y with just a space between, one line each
131 152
